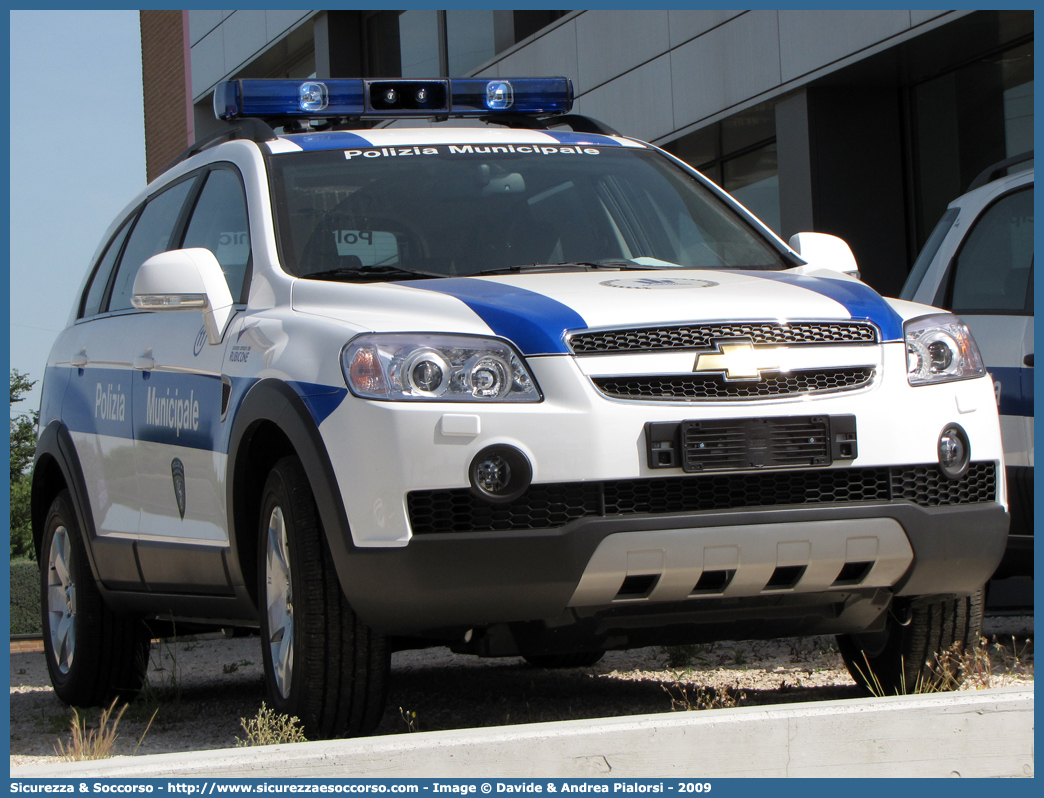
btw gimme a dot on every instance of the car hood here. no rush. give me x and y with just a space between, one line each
537 311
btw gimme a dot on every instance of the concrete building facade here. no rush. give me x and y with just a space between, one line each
859 123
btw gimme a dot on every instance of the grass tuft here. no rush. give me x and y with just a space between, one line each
703 697
269 727
410 719
958 668
91 743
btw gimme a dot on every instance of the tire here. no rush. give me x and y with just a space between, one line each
322 664
579 659
93 654
903 659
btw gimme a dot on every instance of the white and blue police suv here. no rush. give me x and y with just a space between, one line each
525 388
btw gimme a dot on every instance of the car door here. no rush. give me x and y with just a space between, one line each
98 406
991 287
179 430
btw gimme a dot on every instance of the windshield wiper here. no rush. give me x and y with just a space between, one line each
586 266
371 274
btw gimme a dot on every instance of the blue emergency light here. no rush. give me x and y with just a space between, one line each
388 99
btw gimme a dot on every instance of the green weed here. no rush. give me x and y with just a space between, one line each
269 727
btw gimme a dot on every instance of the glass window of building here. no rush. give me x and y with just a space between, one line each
470 40
753 179
426 43
966 120
739 154
419 32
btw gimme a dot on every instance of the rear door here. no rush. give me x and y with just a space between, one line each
100 351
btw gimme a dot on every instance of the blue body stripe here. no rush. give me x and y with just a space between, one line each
861 301
572 139
186 407
332 140
321 400
1016 390
536 324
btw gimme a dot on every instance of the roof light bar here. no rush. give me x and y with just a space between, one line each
388 99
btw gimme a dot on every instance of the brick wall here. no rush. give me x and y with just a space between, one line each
167 131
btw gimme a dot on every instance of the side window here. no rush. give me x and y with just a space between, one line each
150 236
992 272
219 223
92 302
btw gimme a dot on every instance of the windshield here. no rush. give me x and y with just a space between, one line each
451 210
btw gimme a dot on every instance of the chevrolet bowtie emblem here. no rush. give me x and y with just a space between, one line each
738 361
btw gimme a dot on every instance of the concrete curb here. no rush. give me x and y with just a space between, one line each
969 734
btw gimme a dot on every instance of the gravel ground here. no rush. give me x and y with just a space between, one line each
203 687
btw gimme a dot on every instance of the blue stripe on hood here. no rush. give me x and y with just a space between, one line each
861 301
536 324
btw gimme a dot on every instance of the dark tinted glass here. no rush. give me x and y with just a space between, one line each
993 267
96 291
463 209
219 223
150 236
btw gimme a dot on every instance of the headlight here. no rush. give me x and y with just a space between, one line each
940 348
418 367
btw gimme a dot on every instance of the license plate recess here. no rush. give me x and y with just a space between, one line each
733 444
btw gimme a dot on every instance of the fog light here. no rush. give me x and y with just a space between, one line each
500 473
954 451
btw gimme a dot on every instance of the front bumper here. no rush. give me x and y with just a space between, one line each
389 451
449 583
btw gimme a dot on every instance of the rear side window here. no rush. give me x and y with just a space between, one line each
219 223
151 235
92 303
992 273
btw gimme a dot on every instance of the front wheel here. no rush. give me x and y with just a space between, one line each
906 658
93 655
322 664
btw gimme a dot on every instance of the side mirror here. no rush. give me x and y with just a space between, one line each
824 251
186 279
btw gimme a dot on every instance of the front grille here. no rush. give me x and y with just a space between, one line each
704 336
555 505
708 387
928 487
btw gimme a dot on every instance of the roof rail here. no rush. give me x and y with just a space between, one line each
247 128
999 169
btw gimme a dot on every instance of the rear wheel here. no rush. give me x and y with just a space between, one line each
93 655
903 659
322 664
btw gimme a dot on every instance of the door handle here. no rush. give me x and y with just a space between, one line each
79 360
145 362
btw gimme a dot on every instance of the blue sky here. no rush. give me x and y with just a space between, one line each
77 158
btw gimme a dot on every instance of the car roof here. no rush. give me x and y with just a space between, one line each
437 135
984 194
